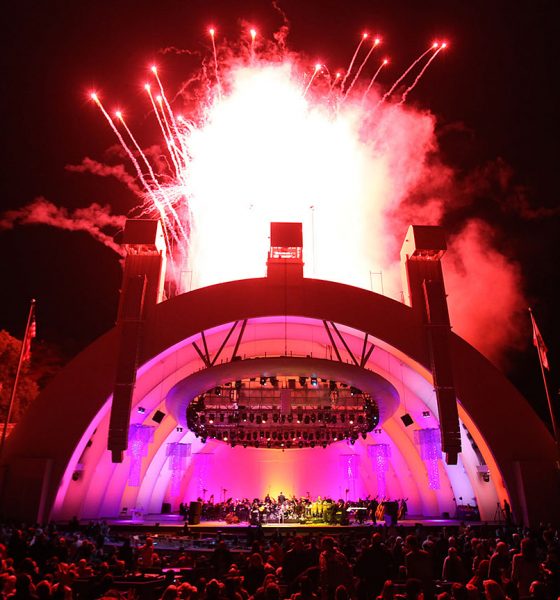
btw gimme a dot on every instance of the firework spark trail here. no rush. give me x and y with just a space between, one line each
163 128
157 203
212 32
335 81
419 76
394 86
317 69
172 145
253 33
364 38
162 92
376 43
154 178
383 63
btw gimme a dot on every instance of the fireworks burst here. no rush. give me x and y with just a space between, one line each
277 139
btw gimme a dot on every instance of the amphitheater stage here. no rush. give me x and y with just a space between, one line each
175 523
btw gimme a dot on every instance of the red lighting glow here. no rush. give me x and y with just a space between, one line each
272 140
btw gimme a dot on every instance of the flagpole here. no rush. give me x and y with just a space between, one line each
16 378
553 419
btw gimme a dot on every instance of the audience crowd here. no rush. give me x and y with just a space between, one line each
463 563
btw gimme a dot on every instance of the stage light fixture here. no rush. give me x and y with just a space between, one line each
141 410
425 413
218 391
314 381
263 380
179 429
303 381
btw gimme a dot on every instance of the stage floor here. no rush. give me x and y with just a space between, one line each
175 522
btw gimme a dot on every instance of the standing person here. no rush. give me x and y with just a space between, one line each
507 513
374 566
500 563
525 567
419 565
296 560
453 567
146 553
334 569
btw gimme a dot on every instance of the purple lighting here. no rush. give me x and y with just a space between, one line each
429 441
349 464
379 454
139 437
177 454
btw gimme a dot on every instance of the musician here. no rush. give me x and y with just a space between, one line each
360 514
403 508
281 498
373 505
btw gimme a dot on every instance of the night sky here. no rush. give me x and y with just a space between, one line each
493 94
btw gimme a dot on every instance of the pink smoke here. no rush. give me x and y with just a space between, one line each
94 219
355 171
486 302
119 172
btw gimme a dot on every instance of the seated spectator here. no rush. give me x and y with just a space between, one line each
492 590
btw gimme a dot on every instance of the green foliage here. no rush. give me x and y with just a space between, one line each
28 388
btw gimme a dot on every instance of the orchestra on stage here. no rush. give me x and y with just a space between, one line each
304 510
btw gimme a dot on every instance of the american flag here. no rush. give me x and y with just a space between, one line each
30 335
539 344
